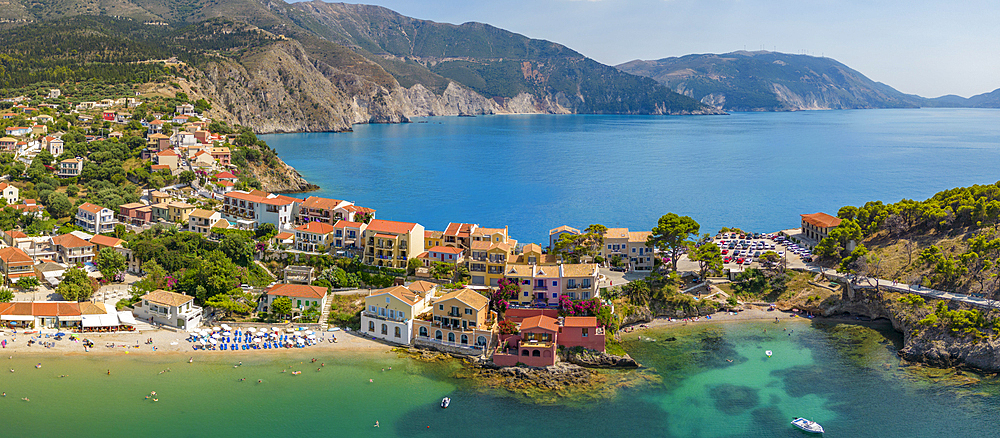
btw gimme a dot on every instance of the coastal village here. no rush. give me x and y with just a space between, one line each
467 289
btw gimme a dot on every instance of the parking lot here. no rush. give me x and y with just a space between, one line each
743 251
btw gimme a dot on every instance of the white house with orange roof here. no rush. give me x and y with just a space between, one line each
250 209
9 193
95 219
443 254
314 237
328 210
392 244
15 263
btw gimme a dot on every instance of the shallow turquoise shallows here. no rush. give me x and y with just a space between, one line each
758 171
844 376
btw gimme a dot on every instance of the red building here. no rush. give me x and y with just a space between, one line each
540 333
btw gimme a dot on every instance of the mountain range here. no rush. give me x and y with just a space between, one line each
772 81
316 66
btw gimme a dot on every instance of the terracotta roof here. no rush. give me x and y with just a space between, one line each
224 175
14 255
221 223
446 249
467 296
297 291
458 229
167 298
359 209
421 286
384 226
15 234
400 292
285 235
70 241
580 321
480 245
320 203
202 213
88 308
385 236
639 236
315 228
166 153
616 233
579 270
821 220
433 234
159 167
541 322
531 247
103 240
261 197
344 224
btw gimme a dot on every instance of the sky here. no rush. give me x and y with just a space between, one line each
928 48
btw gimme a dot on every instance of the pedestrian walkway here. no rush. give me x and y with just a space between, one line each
866 283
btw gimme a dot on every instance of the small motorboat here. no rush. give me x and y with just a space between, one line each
806 425
768 353
445 402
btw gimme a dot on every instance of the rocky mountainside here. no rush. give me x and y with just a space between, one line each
770 81
323 67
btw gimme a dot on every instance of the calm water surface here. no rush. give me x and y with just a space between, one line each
758 171
845 376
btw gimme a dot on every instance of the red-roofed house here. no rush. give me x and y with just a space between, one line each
313 237
817 226
15 263
72 250
225 176
53 145
391 243
303 296
444 254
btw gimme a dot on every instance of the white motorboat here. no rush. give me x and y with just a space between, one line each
768 353
445 402
806 425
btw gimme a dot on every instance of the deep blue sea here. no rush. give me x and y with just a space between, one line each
757 171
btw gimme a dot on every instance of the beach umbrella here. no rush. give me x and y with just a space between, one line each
276 329
213 341
309 332
253 329
216 328
202 341
215 336
225 326
312 336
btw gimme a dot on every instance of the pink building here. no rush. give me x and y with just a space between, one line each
581 331
534 345
135 214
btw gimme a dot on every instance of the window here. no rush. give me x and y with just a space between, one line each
609 246
371 326
555 283
387 300
586 295
454 310
633 249
536 353
385 329
554 295
465 339
584 331
423 331
437 334
468 311
451 337
481 340
398 332
525 293
524 352
440 306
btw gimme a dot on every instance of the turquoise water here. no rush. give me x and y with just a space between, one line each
758 171
845 376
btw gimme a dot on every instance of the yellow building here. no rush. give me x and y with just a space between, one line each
179 212
630 246
432 239
459 319
392 244
487 261
389 313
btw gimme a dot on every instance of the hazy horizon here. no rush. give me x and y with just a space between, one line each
928 48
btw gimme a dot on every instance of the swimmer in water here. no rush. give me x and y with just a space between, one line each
376 423
259 381
191 360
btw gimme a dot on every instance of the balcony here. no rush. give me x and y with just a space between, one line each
382 317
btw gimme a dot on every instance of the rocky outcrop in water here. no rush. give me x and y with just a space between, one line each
596 359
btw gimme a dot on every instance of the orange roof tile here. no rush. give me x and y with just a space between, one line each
321 203
103 240
821 220
93 208
540 322
344 224
446 249
70 241
298 291
315 228
384 226
580 321
14 255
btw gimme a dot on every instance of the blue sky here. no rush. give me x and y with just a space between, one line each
930 48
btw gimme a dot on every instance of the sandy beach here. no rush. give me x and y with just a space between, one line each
719 317
164 342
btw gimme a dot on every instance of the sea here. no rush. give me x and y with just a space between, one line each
756 171
700 380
